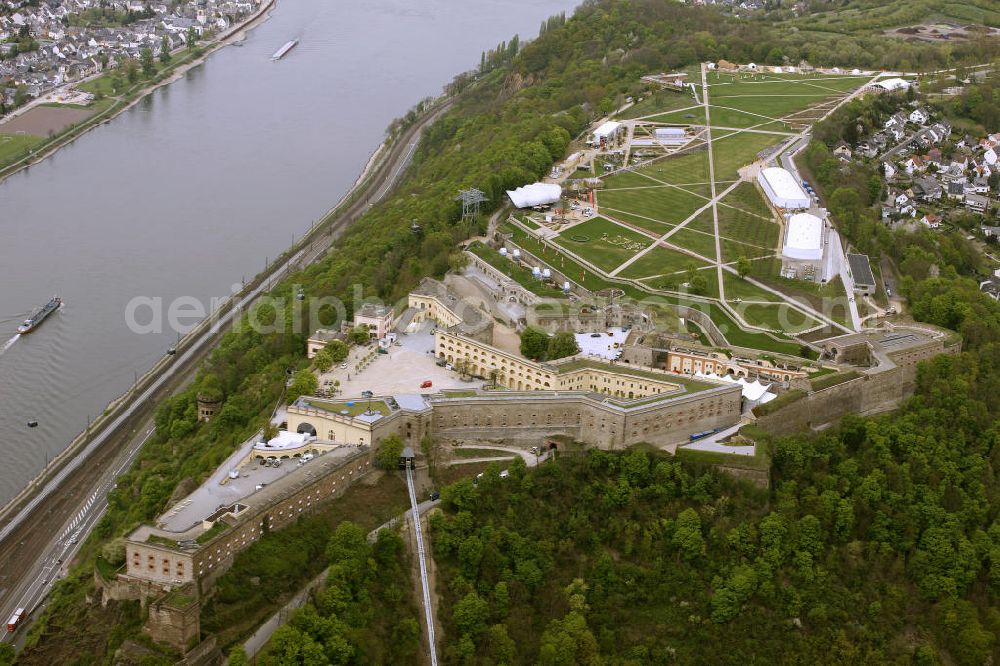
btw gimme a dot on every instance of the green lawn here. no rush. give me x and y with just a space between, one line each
659 102
830 299
607 245
627 179
778 316
15 146
518 272
656 226
688 167
701 243
744 227
660 261
737 287
666 204
750 199
723 117
705 222
695 116
738 150
771 106
733 250
102 85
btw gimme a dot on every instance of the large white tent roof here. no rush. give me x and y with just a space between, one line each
782 188
753 391
804 238
606 130
536 194
894 83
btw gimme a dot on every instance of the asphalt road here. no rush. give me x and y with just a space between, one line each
40 540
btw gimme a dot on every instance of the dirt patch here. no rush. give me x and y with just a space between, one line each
940 32
44 120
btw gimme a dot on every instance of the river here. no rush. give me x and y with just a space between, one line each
192 189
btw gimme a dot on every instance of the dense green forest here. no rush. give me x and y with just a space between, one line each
507 125
879 543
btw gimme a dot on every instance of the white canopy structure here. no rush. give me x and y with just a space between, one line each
782 189
895 83
753 392
536 194
803 238
606 131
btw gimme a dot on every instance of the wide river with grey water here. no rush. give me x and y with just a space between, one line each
190 191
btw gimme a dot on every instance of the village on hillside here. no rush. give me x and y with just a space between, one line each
46 44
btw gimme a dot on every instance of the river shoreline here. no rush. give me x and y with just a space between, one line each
237 33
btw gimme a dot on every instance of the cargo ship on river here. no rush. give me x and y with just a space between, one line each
32 322
280 53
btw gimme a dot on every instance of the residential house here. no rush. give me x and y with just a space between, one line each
920 116
931 221
927 189
842 150
889 170
977 203
956 190
979 185
914 164
895 120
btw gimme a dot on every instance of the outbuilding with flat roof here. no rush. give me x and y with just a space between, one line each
861 273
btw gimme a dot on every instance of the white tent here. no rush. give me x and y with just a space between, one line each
606 131
782 189
895 83
803 238
536 194
753 392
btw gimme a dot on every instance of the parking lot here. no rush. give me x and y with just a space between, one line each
219 490
408 364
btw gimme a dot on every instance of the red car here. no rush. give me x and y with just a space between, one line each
426 384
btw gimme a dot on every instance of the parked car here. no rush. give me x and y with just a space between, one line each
435 496
426 384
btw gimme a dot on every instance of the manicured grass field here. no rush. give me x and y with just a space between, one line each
660 261
693 116
750 199
651 224
737 287
627 179
705 222
15 146
703 244
778 316
659 102
738 225
733 250
667 204
771 106
738 150
725 117
689 167
607 245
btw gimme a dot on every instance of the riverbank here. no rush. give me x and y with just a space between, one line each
121 104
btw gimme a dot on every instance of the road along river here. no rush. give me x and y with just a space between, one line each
191 190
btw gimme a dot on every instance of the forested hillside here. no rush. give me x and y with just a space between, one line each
879 543
879 540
